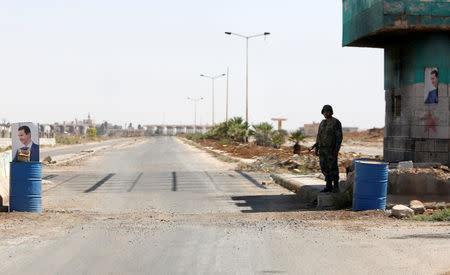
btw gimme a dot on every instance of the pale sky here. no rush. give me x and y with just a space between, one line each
138 61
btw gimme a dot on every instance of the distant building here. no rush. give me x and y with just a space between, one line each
349 129
311 130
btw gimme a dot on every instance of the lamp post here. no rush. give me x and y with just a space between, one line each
246 70
226 108
212 81
195 100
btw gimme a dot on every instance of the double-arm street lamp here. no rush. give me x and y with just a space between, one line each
212 81
195 100
246 68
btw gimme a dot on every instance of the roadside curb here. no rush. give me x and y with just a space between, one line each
306 192
78 157
219 155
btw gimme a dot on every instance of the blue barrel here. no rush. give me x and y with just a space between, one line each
25 193
370 188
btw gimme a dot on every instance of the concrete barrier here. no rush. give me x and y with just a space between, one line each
5 159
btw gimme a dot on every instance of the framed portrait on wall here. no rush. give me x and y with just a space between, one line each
431 85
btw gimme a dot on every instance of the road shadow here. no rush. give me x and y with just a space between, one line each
424 236
251 179
99 183
174 181
135 182
271 203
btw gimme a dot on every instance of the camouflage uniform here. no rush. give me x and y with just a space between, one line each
329 139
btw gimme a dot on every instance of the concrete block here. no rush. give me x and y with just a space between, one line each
418 91
441 106
440 133
421 157
419 183
404 184
418 115
443 91
419 104
418 131
395 130
442 145
439 157
431 187
392 182
424 145
443 188
448 163
324 200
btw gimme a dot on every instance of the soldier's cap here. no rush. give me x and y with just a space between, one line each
327 107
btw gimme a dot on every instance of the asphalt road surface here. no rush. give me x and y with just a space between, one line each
163 207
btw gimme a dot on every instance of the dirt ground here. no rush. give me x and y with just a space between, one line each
269 159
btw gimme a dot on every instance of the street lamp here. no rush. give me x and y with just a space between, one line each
195 100
246 70
212 81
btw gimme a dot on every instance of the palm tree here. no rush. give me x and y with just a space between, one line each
296 137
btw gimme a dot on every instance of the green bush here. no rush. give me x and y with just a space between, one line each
277 138
194 136
297 136
262 133
232 130
92 132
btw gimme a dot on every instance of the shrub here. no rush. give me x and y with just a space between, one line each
262 133
194 136
233 130
297 136
277 138
92 132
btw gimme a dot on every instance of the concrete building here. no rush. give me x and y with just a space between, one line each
416 38
311 129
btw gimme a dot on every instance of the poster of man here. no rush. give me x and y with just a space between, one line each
431 85
25 141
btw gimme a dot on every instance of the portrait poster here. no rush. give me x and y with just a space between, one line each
25 137
431 85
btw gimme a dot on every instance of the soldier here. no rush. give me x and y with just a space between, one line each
328 143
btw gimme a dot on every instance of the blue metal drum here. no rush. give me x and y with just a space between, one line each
370 188
25 187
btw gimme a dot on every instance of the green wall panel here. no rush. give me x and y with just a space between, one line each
405 62
365 18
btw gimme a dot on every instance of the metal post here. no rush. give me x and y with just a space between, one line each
246 85
226 113
212 79
195 116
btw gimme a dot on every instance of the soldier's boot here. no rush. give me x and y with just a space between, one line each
328 187
336 186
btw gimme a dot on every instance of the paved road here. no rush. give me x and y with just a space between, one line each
163 207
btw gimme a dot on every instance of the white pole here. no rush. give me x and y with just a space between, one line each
228 74
212 79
